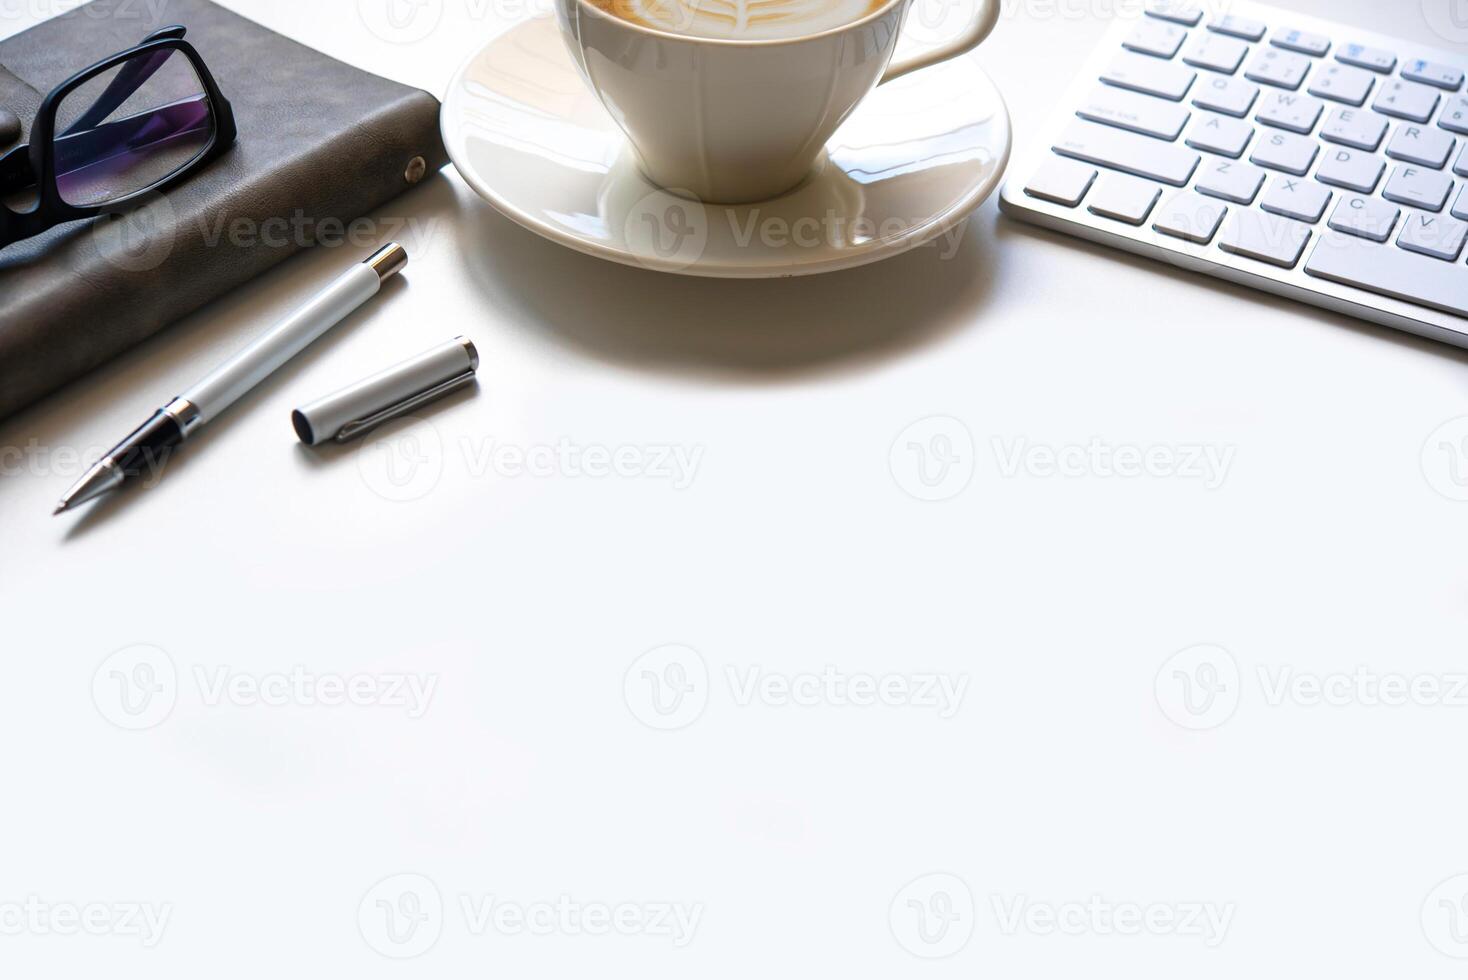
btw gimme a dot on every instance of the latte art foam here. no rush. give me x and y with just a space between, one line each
741 20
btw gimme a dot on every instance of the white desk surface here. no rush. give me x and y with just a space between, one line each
1322 830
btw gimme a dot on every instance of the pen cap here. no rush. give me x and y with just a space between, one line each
397 391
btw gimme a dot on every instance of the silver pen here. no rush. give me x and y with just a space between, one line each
201 404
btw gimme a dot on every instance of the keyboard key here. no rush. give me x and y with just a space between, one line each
1278 68
1191 217
1418 188
1296 197
1351 169
1061 182
1431 234
1249 30
1139 156
1365 217
1220 134
1461 167
1390 272
1460 209
1430 73
1164 79
1183 12
1123 198
1155 37
1287 110
1301 41
1265 238
1285 151
1216 52
1360 128
1407 100
1230 96
1138 113
1419 144
1342 83
1372 59
1455 115
1230 180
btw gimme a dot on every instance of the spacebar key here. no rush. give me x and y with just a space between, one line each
1141 156
1391 272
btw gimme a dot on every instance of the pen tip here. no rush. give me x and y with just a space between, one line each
61 508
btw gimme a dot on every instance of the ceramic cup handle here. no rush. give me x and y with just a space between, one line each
982 25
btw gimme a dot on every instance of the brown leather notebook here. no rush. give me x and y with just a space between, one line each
321 144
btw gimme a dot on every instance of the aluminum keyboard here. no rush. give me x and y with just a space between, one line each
1295 155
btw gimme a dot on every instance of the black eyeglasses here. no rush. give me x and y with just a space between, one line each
129 126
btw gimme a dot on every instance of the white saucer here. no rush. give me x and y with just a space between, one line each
914 160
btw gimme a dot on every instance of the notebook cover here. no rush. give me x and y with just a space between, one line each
321 144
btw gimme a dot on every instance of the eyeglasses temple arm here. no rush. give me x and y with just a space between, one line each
134 75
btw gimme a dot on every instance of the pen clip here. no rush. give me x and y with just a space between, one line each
355 428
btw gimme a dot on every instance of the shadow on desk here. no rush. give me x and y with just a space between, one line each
741 330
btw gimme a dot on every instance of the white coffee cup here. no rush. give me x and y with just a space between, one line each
734 121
